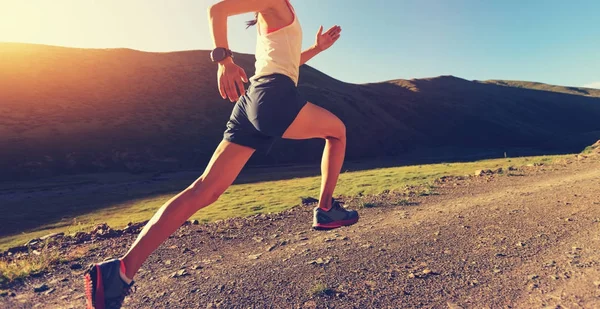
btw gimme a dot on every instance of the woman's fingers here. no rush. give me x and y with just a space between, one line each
240 87
334 30
231 83
331 29
231 93
243 75
222 87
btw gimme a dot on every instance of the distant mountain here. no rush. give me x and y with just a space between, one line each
67 110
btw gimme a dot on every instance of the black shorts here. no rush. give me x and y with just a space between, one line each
264 112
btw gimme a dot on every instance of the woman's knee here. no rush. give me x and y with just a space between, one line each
338 131
203 193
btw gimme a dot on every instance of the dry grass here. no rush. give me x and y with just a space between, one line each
37 262
245 199
320 289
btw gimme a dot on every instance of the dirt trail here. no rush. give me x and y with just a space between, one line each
526 241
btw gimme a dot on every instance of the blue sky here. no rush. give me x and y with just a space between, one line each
555 42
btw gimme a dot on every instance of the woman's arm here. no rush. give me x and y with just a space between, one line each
322 42
231 77
218 14
309 54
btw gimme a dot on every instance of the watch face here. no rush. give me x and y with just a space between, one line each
218 54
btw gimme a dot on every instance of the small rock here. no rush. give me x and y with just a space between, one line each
452 305
271 248
179 273
186 250
196 267
411 276
309 200
311 304
212 306
50 291
533 277
32 242
75 266
64 297
550 264
568 219
320 261
520 244
258 239
52 236
194 290
597 284
254 256
64 279
427 271
41 288
195 222
168 262
497 271
553 277
3 293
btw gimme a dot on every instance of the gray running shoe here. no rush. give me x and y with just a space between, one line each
104 288
336 217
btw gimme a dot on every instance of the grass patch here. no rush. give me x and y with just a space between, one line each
34 263
404 202
241 200
369 205
321 289
37 262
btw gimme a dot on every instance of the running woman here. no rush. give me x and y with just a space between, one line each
270 109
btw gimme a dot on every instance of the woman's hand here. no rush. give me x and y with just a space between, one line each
231 79
325 40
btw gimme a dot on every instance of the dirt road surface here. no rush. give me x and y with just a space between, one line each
529 240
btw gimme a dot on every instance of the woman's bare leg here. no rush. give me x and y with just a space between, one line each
225 165
316 122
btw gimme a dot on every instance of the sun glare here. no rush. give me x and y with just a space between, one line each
76 23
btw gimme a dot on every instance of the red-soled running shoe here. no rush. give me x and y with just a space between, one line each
104 288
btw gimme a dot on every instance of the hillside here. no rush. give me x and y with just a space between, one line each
68 110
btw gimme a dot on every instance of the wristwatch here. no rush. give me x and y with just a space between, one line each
219 54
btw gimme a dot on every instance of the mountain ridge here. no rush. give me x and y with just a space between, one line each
72 110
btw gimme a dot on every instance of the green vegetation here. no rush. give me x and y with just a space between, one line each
37 262
239 201
403 202
369 205
320 289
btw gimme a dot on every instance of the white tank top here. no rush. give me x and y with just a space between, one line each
279 51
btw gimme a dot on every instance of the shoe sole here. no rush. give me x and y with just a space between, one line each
335 224
94 291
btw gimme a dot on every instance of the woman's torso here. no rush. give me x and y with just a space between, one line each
278 50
